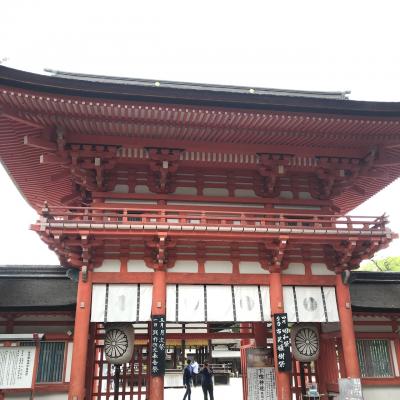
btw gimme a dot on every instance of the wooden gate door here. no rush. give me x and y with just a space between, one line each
303 373
133 376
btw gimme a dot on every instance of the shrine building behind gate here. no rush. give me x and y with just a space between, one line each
199 212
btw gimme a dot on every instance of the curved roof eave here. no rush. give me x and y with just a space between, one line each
195 94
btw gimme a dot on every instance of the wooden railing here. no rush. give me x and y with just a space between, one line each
231 220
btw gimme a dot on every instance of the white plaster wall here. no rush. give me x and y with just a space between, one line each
286 194
138 266
52 396
70 348
109 266
294 269
320 269
381 392
185 266
218 267
191 191
251 267
304 195
143 189
373 328
208 204
121 188
245 193
129 201
215 192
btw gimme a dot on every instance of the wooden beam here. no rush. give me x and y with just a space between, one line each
222 147
39 143
10 114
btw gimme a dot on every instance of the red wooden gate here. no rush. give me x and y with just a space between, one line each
133 376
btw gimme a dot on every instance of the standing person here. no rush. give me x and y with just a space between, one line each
206 381
187 380
195 371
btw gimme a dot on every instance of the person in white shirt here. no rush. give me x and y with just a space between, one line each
195 371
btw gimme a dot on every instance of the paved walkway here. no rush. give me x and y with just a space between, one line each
233 391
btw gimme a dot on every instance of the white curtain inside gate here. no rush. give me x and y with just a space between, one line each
310 304
218 303
212 303
121 303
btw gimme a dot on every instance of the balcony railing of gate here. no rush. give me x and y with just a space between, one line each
183 219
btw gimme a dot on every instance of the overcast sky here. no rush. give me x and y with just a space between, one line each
311 45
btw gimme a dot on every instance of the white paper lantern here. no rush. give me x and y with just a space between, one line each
119 343
305 342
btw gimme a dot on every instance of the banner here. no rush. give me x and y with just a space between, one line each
16 367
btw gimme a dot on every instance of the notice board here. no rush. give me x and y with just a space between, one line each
16 367
350 389
261 384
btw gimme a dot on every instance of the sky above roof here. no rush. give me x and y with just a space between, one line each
311 45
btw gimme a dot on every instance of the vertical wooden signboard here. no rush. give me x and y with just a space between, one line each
282 342
158 328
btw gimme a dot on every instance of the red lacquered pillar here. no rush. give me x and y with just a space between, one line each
158 308
77 388
347 328
276 298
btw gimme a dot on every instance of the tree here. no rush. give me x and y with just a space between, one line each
382 265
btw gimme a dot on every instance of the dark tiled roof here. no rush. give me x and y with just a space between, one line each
36 287
375 291
182 93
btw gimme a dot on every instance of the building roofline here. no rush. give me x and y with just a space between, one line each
374 277
125 89
32 271
338 95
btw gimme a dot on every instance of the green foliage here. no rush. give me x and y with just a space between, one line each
382 265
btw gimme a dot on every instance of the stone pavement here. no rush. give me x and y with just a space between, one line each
233 391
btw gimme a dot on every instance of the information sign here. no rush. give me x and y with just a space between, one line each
261 383
282 342
350 389
16 367
158 328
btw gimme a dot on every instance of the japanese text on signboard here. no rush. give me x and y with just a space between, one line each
158 328
282 342
261 383
16 367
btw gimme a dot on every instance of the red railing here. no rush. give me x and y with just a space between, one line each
229 219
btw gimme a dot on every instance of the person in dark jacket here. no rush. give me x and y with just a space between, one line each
187 380
206 381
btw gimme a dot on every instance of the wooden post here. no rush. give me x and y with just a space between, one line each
347 329
260 334
283 388
158 308
77 388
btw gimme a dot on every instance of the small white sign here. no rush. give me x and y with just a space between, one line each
16 367
350 389
261 383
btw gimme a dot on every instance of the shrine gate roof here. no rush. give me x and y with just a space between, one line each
114 111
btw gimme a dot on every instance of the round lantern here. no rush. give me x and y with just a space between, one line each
118 343
305 342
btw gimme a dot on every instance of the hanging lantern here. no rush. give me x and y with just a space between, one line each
118 343
305 342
